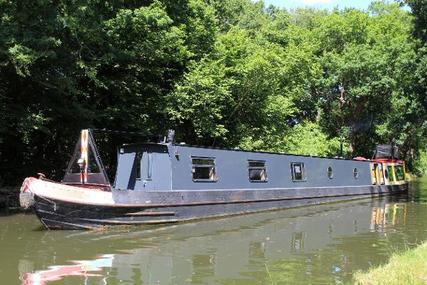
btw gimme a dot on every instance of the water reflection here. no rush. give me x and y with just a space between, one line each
323 244
388 214
84 268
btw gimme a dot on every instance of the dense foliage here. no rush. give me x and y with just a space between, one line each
227 73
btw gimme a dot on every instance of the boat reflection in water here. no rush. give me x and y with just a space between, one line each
388 214
231 250
84 268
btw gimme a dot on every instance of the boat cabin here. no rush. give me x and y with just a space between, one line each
186 167
170 166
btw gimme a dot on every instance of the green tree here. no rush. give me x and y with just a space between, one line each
70 65
229 73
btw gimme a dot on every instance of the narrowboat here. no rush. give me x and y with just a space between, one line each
170 182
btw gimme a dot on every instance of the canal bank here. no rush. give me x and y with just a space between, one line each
9 198
409 267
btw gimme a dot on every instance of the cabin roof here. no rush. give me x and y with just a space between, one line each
389 160
239 150
260 151
141 144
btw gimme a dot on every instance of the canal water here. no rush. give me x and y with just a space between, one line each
322 244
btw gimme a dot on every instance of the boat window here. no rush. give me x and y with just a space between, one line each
257 171
204 169
298 171
356 173
149 165
137 168
386 174
400 174
143 165
330 172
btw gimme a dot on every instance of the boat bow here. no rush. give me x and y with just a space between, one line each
85 194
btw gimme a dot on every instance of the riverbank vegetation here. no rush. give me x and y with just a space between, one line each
405 268
230 73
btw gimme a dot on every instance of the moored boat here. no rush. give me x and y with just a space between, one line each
168 182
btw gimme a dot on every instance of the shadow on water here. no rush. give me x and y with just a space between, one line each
318 244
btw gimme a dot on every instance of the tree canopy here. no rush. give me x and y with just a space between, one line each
230 73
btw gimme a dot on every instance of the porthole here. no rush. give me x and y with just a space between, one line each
355 173
330 172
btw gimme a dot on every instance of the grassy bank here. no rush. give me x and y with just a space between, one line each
409 267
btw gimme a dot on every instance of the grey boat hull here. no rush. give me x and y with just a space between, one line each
180 206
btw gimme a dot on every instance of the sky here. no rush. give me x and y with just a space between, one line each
324 4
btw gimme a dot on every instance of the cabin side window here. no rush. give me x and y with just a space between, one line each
204 169
298 171
138 158
143 165
147 165
257 171
400 173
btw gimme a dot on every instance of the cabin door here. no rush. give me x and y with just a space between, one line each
374 174
380 174
144 169
377 174
152 168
